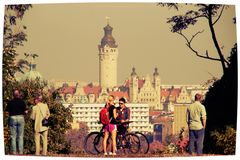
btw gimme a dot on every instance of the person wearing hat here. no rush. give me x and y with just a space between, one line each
39 112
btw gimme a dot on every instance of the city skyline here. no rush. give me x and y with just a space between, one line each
66 38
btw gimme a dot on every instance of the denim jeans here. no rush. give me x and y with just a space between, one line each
16 124
196 138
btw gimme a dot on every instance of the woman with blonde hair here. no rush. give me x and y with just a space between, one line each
111 127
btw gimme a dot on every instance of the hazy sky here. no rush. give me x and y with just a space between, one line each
66 38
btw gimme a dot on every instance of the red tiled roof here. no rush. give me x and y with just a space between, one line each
173 92
119 94
154 113
92 90
127 83
68 90
140 83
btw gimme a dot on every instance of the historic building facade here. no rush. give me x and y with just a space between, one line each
149 92
142 94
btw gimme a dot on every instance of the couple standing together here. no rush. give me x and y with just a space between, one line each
17 109
116 115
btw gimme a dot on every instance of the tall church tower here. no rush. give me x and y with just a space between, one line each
133 86
108 54
156 85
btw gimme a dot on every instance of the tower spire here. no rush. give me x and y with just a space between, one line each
133 72
155 72
107 18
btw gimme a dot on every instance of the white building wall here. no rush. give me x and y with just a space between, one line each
89 113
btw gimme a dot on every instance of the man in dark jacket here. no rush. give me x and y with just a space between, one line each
16 109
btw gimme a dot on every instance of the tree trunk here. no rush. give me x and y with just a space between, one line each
222 59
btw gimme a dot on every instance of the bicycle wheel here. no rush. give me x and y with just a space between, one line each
98 143
144 143
89 143
132 143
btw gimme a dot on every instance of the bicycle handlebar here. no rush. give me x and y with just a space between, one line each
127 122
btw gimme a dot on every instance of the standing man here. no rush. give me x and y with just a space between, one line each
196 120
16 109
39 112
123 116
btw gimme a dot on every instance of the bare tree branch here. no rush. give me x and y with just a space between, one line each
193 50
219 15
169 5
195 35
200 16
202 5
226 61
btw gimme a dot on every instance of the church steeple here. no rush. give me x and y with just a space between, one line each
133 72
155 72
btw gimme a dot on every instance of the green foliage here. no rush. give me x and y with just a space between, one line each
11 39
221 103
157 147
60 118
191 17
170 138
211 13
60 115
76 137
225 140
221 99
177 143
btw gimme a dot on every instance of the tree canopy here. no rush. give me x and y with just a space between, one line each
211 13
221 104
221 98
14 36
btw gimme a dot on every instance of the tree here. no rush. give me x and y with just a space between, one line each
210 12
221 99
75 138
221 103
13 36
60 118
225 140
60 115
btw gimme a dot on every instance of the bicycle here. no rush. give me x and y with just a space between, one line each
144 143
131 142
89 142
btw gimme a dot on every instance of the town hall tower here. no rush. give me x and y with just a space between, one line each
108 54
